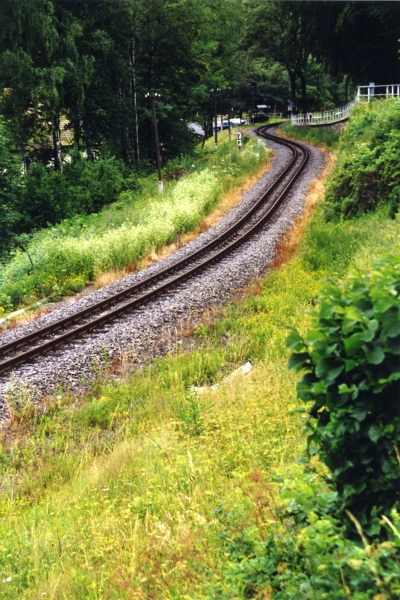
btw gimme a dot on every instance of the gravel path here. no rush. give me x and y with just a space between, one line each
154 329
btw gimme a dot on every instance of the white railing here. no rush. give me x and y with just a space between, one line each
364 92
326 116
371 91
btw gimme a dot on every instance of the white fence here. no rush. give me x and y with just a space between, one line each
369 92
324 117
364 93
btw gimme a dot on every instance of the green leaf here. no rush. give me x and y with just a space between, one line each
375 355
294 341
374 433
298 361
314 336
353 343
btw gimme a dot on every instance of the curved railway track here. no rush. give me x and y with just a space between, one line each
43 340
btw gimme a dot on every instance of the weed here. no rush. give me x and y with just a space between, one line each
20 395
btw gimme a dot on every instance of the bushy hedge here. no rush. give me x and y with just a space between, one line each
352 363
84 187
303 553
368 170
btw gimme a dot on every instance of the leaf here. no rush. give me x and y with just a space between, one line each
294 341
298 361
314 336
359 414
375 355
374 433
353 343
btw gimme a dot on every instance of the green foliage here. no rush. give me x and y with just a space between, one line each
308 557
324 136
10 187
368 167
84 187
66 257
351 358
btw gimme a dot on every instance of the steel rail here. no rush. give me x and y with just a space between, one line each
12 362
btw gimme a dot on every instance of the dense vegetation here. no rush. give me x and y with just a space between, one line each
145 486
74 75
368 170
62 260
185 495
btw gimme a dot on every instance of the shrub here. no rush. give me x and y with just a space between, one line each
10 187
311 559
84 187
368 166
351 358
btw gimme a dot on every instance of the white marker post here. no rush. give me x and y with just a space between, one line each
239 139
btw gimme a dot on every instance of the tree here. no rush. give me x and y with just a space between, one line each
278 31
10 182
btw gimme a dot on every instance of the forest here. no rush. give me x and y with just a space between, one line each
74 75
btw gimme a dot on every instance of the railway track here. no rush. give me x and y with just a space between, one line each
46 339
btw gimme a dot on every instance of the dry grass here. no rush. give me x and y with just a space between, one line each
228 202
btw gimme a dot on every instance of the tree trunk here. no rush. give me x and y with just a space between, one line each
125 129
292 76
207 124
304 100
57 143
134 96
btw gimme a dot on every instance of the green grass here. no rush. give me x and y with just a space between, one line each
119 494
67 257
323 136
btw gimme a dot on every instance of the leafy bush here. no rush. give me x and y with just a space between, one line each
84 187
368 167
10 187
351 358
304 554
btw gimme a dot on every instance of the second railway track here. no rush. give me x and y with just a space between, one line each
46 339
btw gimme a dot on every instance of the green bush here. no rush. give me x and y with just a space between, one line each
369 158
84 187
351 358
10 188
310 559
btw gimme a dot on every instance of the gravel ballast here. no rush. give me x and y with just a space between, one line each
153 330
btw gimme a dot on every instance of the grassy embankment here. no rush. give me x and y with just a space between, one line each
127 492
128 234
325 137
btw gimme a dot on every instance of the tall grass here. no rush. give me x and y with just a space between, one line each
123 493
63 259
323 136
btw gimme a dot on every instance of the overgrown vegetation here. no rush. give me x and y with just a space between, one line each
368 164
63 259
145 485
323 136
352 379
48 197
